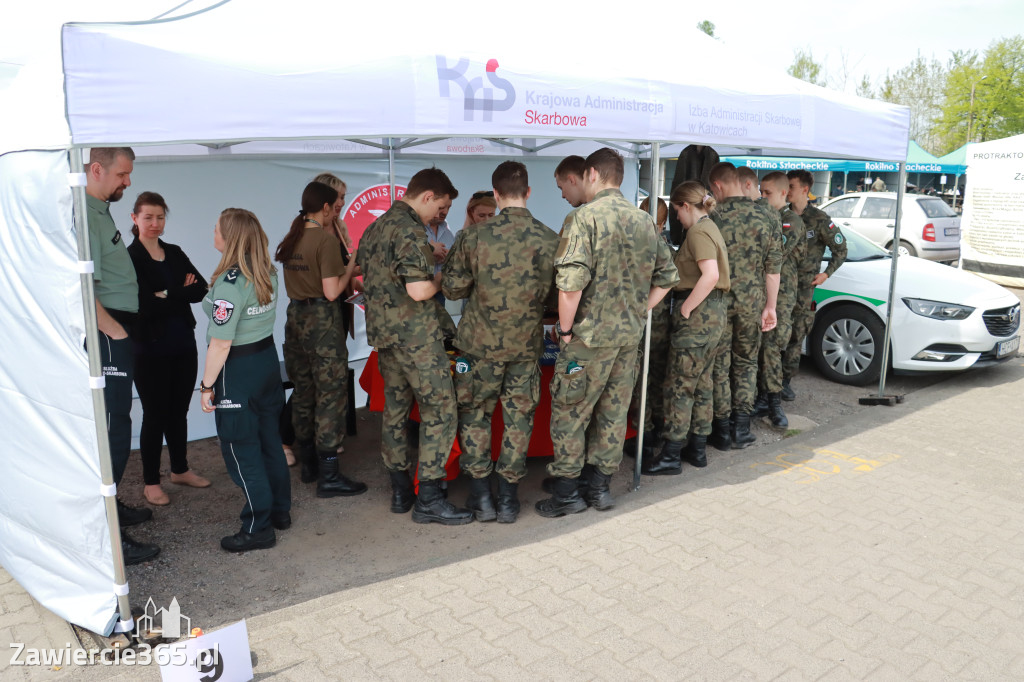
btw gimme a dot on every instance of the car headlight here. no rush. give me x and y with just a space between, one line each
937 310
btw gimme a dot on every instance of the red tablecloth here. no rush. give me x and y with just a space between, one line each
540 441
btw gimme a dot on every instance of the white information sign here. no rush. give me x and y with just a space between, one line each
220 656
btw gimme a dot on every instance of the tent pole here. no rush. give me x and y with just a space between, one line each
99 405
900 191
846 175
956 188
391 167
652 207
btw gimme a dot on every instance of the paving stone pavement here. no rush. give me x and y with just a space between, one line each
889 547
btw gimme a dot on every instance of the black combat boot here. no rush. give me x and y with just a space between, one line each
775 413
696 451
480 501
741 435
599 497
787 392
308 459
135 552
760 405
668 462
508 501
243 541
548 484
629 447
565 499
402 495
720 438
432 507
652 444
131 516
331 482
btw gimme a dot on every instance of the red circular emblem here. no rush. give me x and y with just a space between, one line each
369 205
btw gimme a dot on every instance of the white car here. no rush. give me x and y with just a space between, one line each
930 229
944 319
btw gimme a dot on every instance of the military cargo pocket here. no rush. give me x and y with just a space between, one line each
463 380
569 389
686 338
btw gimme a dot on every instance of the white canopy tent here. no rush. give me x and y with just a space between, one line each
238 79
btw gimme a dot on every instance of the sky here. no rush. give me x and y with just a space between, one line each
871 37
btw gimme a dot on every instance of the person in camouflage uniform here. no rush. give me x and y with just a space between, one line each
698 318
755 260
774 190
505 267
314 277
610 268
820 232
401 322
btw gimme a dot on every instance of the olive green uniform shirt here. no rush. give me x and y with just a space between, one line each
393 252
316 257
235 313
505 267
612 253
114 274
703 242
821 232
754 249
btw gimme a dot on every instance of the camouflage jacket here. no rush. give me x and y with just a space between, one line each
392 252
821 232
793 247
611 252
755 249
505 267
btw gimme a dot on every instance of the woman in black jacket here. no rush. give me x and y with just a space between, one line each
165 346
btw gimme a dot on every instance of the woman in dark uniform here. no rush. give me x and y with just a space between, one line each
242 378
697 321
166 359
315 276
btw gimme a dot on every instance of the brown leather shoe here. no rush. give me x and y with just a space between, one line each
155 495
190 478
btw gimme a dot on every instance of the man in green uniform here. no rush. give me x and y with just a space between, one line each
401 322
755 260
820 232
505 267
610 269
774 190
117 305
569 178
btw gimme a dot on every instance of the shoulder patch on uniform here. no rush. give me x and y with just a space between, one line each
231 276
116 238
810 234
831 225
839 238
462 365
222 311
783 240
786 226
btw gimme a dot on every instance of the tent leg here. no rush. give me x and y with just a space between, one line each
652 207
391 166
126 623
881 398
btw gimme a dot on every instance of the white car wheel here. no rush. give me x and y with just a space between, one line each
846 344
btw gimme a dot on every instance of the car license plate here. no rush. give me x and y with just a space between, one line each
952 231
1007 347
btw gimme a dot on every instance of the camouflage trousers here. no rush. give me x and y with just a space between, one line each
316 359
589 407
803 320
479 384
735 372
420 373
773 346
688 390
654 412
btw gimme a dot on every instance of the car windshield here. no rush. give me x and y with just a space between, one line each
859 248
936 208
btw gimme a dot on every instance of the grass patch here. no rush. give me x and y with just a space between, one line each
791 432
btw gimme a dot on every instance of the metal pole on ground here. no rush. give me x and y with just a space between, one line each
882 398
96 384
652 207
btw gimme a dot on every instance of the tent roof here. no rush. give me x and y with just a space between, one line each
234 74
917 154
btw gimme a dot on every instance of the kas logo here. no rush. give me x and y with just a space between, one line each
476 96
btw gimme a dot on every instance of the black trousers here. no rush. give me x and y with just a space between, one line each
118 359
165 384
249 398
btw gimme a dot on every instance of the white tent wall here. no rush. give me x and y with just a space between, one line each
53 528
197 189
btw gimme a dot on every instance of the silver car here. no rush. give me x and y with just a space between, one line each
930 230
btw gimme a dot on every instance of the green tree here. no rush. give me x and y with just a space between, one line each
864 88
805 68
920 85
997 80
706 27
